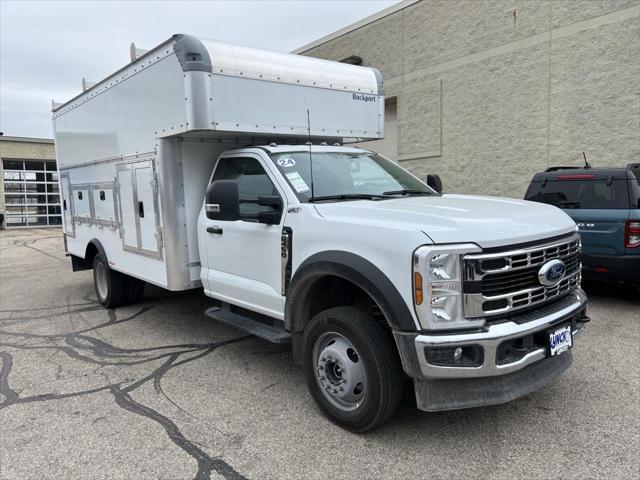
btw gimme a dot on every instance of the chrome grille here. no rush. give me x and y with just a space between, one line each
546 293
522 278
498 283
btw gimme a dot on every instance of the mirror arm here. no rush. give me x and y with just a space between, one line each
269 218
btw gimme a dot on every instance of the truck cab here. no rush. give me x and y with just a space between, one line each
318 237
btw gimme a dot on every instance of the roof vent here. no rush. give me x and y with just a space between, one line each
136 53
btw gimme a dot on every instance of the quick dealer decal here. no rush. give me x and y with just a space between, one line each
298 182
364 98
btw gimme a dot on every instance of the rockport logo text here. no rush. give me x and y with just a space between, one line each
364 98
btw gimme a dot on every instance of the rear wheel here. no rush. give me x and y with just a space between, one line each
352 368
111 286
135 291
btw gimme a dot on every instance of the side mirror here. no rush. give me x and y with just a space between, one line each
434 182
223 201
273 217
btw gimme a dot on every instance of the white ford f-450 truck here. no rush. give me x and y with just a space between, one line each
206 165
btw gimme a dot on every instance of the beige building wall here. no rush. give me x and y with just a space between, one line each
490 92
22 148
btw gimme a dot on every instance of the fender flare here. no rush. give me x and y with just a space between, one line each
355 269
95 242
79 263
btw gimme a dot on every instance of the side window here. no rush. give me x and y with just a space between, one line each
253 182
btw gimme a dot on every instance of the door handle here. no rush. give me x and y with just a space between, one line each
141 209
217 230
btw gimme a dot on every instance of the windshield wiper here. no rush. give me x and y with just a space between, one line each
406 191
569 204
348 196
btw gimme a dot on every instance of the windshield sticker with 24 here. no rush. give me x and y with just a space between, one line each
286 162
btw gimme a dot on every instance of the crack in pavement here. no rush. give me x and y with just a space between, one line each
82 346
9 395
22 310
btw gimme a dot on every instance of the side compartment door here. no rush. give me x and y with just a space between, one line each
138 208
67 204
82 211
146 206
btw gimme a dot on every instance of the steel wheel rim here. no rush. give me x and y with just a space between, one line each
102 282
339 371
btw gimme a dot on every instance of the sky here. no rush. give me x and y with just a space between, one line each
47 47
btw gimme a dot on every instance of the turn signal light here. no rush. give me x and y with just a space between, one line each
417 288
632 234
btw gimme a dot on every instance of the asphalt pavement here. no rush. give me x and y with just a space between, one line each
159 391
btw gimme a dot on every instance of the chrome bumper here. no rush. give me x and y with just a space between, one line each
490 338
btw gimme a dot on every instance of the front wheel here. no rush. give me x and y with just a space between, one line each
352 368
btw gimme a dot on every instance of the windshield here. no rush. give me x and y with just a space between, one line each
347 175
581 194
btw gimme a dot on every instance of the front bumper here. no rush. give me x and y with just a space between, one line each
498 378
489 339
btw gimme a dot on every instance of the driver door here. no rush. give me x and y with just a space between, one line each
243 257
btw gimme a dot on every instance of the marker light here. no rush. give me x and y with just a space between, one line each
417 288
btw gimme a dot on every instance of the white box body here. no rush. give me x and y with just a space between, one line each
135 151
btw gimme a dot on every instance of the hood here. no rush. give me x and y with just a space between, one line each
485 221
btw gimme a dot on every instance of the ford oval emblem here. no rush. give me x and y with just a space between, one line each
552 272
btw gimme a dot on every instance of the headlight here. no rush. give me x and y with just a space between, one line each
437 285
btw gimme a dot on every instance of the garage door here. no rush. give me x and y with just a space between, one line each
31 193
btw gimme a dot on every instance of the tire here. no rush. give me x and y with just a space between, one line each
111 287
344 347
135 291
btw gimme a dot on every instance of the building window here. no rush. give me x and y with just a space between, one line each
31 193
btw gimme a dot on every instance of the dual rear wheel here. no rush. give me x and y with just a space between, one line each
113 288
